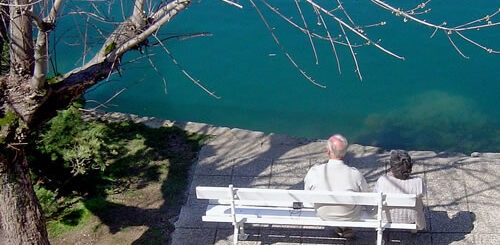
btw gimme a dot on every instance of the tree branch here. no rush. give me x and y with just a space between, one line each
125 37
41 60
139 16
169 11
41 46
56 6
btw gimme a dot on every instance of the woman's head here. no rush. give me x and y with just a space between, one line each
401 164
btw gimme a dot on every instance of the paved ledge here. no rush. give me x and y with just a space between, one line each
462 201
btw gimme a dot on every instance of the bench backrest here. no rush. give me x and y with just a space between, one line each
277 197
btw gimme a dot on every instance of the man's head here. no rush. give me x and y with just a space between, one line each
337 146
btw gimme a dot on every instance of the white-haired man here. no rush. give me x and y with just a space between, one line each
336 176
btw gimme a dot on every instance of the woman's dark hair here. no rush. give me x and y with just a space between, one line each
401 164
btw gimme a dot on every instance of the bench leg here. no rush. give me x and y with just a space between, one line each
235 234
242 236
380 238
239 232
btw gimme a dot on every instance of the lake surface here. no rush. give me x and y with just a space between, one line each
434 100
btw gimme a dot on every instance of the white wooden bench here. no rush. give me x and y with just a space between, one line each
295 207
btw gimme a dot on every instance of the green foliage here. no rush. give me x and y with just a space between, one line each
80 145
125 159
109 48
4 59
47 199
97 204
54 79
8 120
71 219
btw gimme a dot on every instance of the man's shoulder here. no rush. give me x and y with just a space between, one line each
318 166
312 174
354 170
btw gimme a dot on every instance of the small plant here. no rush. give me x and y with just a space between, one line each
47 200
80 145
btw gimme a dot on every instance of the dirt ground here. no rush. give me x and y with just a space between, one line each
136 216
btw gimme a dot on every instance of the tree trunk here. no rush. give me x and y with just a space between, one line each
21 214
32 102
21 40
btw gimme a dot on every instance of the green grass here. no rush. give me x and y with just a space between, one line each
71 219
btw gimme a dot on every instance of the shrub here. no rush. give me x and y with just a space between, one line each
47 200
81 146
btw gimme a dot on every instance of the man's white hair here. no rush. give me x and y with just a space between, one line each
341 151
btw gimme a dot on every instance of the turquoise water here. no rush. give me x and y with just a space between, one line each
434 100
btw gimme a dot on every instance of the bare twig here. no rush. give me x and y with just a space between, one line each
19 5
455 46
197 82
283 48
158 72
341 7
137 59
232 3
352 53
330 39
184 37
103 104
93 16
85 41
307 30
420 6
489 50
485 18
123 11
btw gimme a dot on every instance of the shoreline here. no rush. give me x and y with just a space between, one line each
204 128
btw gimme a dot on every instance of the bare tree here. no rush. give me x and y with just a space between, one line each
28 98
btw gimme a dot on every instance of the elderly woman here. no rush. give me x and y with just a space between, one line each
399 181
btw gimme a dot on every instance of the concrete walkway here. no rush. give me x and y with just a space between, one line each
462 202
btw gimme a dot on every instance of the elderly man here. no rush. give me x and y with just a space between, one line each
336 176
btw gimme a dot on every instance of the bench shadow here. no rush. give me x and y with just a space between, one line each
272 234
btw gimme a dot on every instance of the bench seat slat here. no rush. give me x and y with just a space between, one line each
292 221
261 203
277 196
249 211
311 222
287 216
